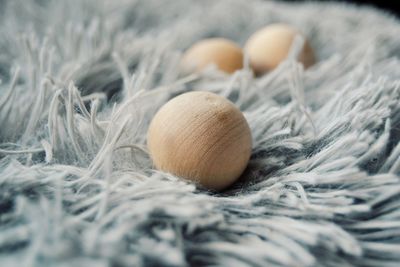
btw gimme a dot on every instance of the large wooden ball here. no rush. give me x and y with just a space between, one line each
202 137
268 47
223 53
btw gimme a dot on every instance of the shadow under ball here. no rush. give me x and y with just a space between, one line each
200 136
268 47
225 54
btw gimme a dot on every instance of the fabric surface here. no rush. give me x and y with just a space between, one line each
77 187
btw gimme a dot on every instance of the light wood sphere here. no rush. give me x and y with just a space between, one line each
200 136
268 47
225 54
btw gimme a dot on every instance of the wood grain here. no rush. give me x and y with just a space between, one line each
202 137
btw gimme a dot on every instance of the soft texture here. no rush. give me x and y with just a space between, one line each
77 187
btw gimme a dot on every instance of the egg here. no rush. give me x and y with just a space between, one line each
223 53
268 47
202 137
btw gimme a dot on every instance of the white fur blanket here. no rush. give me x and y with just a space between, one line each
77 187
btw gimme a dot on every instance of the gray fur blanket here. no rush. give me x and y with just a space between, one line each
81 80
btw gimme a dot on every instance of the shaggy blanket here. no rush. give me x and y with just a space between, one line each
81 80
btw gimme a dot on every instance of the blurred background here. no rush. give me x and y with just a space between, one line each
390 6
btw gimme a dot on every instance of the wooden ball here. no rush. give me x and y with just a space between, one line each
268 47
202 137
225 54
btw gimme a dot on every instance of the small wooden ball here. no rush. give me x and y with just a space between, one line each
268 47
225 54
202 137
